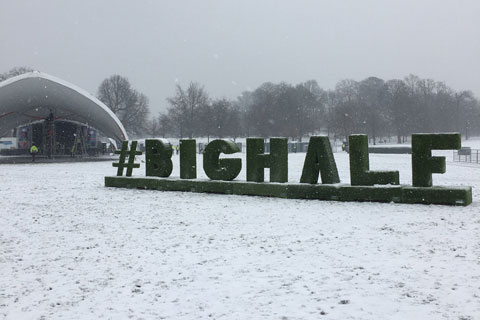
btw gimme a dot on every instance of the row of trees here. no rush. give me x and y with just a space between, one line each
271 110
192 113
379 108
400 107
393 108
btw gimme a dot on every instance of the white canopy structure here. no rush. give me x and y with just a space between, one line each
32 96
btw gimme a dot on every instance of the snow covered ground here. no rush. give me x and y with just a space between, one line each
72 249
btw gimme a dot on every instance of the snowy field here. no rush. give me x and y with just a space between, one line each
72 249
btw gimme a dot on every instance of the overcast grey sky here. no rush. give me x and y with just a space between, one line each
231 46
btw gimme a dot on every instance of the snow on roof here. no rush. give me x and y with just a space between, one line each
32 96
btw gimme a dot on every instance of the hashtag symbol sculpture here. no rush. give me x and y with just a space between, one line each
131 158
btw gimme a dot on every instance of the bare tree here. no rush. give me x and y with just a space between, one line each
372 114
398 104
129 105
135 118
217 119
185 107
344 106
466 112
153 127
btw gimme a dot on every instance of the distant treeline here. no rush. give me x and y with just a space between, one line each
379 108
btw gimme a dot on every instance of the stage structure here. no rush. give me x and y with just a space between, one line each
58 117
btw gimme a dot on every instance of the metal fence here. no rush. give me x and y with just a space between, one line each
466 155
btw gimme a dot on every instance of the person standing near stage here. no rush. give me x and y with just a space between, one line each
33 151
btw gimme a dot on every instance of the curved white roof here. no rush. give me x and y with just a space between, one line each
31 96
